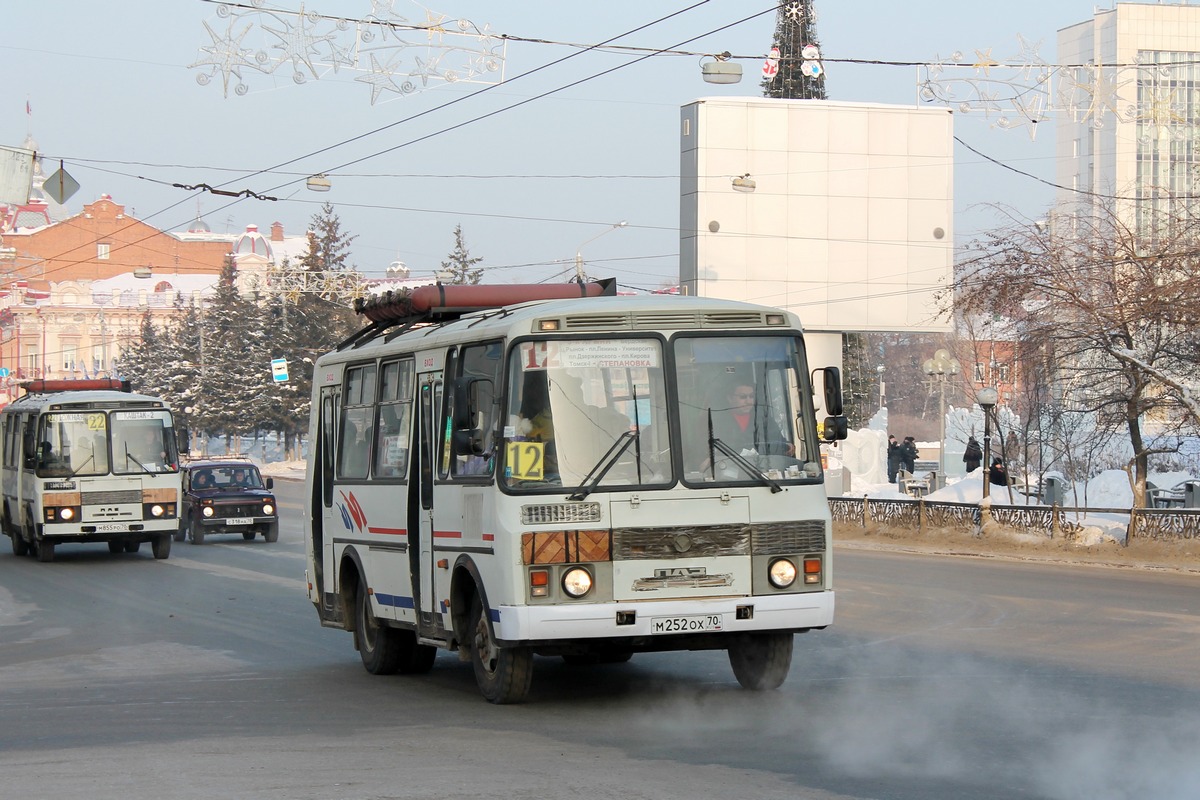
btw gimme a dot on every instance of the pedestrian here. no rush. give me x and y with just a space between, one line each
908 454
973 455
893 458
997 474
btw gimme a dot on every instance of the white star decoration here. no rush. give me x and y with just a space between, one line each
390 52
1021 91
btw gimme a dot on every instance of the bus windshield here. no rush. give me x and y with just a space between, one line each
741 409
143 441
586 413
74 443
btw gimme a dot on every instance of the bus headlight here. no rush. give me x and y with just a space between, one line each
577 582
66 514
268 509
208 511
782 573
156 510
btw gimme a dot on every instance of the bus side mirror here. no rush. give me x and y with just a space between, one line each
833 391
466 396
835 429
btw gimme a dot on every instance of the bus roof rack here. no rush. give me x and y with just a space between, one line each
442 302
50 385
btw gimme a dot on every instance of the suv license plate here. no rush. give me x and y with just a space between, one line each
239 521
691 624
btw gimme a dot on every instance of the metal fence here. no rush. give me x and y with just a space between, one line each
1052 521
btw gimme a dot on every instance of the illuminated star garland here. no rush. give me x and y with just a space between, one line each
1025 89
394 56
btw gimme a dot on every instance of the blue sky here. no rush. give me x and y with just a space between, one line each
111 93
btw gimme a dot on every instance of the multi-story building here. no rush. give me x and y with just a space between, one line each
1131 121
74 292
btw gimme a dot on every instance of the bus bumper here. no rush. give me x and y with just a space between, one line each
567 622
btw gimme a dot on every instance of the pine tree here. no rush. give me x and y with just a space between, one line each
799 77
145 361
461 265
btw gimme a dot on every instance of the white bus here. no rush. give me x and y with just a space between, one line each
581 475
88 461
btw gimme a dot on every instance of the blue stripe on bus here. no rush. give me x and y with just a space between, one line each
494 615
394 600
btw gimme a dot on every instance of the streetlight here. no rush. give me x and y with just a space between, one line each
882 385
940 369
987 401
580 277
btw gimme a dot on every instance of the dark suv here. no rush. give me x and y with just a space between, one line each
226 496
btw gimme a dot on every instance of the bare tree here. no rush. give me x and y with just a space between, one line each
1111 310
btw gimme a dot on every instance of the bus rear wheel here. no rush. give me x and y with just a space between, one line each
377 644
132 545
504 674
116 546
20 547
761 661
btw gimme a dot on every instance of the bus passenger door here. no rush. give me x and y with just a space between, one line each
420 506
321 502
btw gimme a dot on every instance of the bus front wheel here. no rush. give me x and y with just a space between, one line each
504 674
761 661
161 546
45 550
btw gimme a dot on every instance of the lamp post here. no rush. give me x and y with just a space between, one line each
941 369
882 386
580 277
987 401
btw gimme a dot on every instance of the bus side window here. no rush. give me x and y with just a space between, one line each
395 419
358 412
483 363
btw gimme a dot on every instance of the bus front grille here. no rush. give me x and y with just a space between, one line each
110 498
779 538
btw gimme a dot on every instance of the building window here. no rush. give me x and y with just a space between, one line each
102 251
979 372
70 355
1002 376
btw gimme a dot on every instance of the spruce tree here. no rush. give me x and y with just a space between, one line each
798 78
461 265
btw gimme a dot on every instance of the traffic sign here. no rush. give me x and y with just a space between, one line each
60 186
279 369
3 372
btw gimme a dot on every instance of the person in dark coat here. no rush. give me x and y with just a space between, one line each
909 453
973 455
997 474
893 458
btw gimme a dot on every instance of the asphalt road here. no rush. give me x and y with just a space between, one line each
208 675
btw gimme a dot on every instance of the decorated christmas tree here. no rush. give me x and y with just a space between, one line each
794 70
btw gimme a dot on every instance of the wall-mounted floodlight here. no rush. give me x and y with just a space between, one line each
744 183
318 183
721 69
143 272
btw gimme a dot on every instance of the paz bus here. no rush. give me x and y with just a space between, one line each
510 471
88 461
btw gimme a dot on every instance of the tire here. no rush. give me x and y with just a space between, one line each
761 661
272 533
248 535
197 531
181 534
44 551
116 546
377 645
20 547
132 545
161 546
504 674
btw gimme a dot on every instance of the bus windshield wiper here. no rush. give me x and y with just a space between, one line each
604 464
130 457
716 444
91 457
